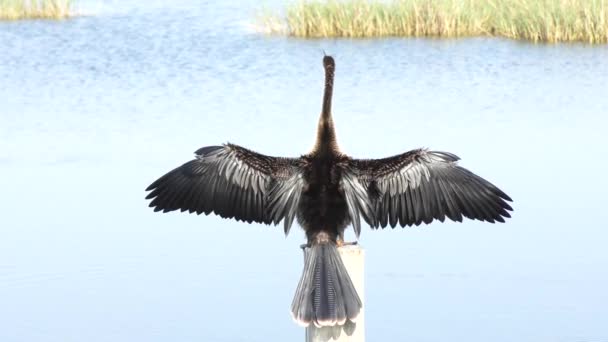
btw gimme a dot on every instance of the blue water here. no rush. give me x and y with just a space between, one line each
95 108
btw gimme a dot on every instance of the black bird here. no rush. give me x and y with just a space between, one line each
326 191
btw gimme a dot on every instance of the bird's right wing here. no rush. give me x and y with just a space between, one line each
420 186
232 182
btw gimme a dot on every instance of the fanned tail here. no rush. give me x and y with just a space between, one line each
325 295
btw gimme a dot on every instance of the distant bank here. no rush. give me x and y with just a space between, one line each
535 20
35 9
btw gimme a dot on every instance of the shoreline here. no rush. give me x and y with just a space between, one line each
550 21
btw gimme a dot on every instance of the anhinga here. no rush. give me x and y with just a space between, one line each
326 191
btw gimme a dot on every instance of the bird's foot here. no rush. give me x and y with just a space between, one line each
342 243
304 246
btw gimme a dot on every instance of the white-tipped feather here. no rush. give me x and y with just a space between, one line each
325 295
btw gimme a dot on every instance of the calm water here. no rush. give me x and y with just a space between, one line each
95 108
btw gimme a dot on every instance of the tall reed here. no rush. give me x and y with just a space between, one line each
35 9
536 20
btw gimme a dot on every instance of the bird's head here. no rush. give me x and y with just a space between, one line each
328 63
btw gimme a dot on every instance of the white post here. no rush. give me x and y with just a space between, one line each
353 257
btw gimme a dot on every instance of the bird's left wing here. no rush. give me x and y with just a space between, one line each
420 186
232 182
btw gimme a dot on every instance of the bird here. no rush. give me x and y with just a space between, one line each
326 191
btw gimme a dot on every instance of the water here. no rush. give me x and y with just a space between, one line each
95 108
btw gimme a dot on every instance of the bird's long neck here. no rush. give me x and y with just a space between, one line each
326 135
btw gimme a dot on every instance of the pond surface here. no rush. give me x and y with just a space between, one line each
95 108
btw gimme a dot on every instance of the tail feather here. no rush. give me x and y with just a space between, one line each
350 301
325 295
301 307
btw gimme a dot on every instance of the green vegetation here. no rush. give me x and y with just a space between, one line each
535 20
30 9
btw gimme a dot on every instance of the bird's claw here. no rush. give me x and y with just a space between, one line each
341 243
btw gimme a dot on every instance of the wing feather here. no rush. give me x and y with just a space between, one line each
421 186
357 199
232 182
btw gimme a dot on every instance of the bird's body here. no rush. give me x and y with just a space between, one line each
326 191
323 207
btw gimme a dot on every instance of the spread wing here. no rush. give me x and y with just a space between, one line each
232 182
420 186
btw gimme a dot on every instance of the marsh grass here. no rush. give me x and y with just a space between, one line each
536 20
35 9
